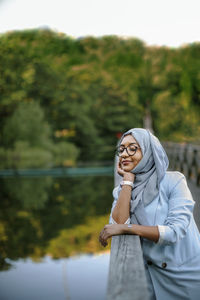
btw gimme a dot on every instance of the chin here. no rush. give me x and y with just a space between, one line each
128 168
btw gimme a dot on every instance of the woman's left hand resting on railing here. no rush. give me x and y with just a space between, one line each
109 230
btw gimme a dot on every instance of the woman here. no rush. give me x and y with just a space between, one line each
156 205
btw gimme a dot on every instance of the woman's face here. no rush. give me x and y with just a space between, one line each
127 161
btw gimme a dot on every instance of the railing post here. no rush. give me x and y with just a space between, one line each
184 158
127 279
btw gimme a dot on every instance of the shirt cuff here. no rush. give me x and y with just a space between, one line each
161 230
165 234
112 221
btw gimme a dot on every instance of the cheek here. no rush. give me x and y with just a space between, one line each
137 159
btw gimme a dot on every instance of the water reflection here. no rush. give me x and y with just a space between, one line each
51 217
77 278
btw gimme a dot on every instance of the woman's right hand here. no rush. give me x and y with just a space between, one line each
126 175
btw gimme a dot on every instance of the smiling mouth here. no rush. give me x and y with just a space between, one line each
126 162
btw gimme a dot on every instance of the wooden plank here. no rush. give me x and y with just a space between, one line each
126 280
195 190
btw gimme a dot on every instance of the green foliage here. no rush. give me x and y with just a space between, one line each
64 154
26 137
24 156
27 124
95 88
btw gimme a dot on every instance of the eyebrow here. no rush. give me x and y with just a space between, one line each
129 144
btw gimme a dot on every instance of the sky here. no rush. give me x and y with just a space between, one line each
157 22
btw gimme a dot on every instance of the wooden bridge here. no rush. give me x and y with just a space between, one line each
127 279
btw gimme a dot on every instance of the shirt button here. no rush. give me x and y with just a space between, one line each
164 265
149 262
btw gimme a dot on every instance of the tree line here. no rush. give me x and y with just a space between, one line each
64 100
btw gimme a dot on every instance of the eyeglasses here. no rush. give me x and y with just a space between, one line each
130 149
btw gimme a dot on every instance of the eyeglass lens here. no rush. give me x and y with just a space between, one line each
131 150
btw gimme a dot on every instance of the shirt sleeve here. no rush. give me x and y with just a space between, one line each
112 221
180 212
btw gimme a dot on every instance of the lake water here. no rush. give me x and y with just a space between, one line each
49 230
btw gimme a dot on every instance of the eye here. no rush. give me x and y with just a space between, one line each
132 148
121 149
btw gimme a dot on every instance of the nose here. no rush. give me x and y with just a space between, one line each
124 153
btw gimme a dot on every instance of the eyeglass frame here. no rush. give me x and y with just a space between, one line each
136 148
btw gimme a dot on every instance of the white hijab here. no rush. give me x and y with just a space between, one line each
149 173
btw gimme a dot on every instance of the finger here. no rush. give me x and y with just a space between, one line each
100 236
120 171
103 243
101 239
105 236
